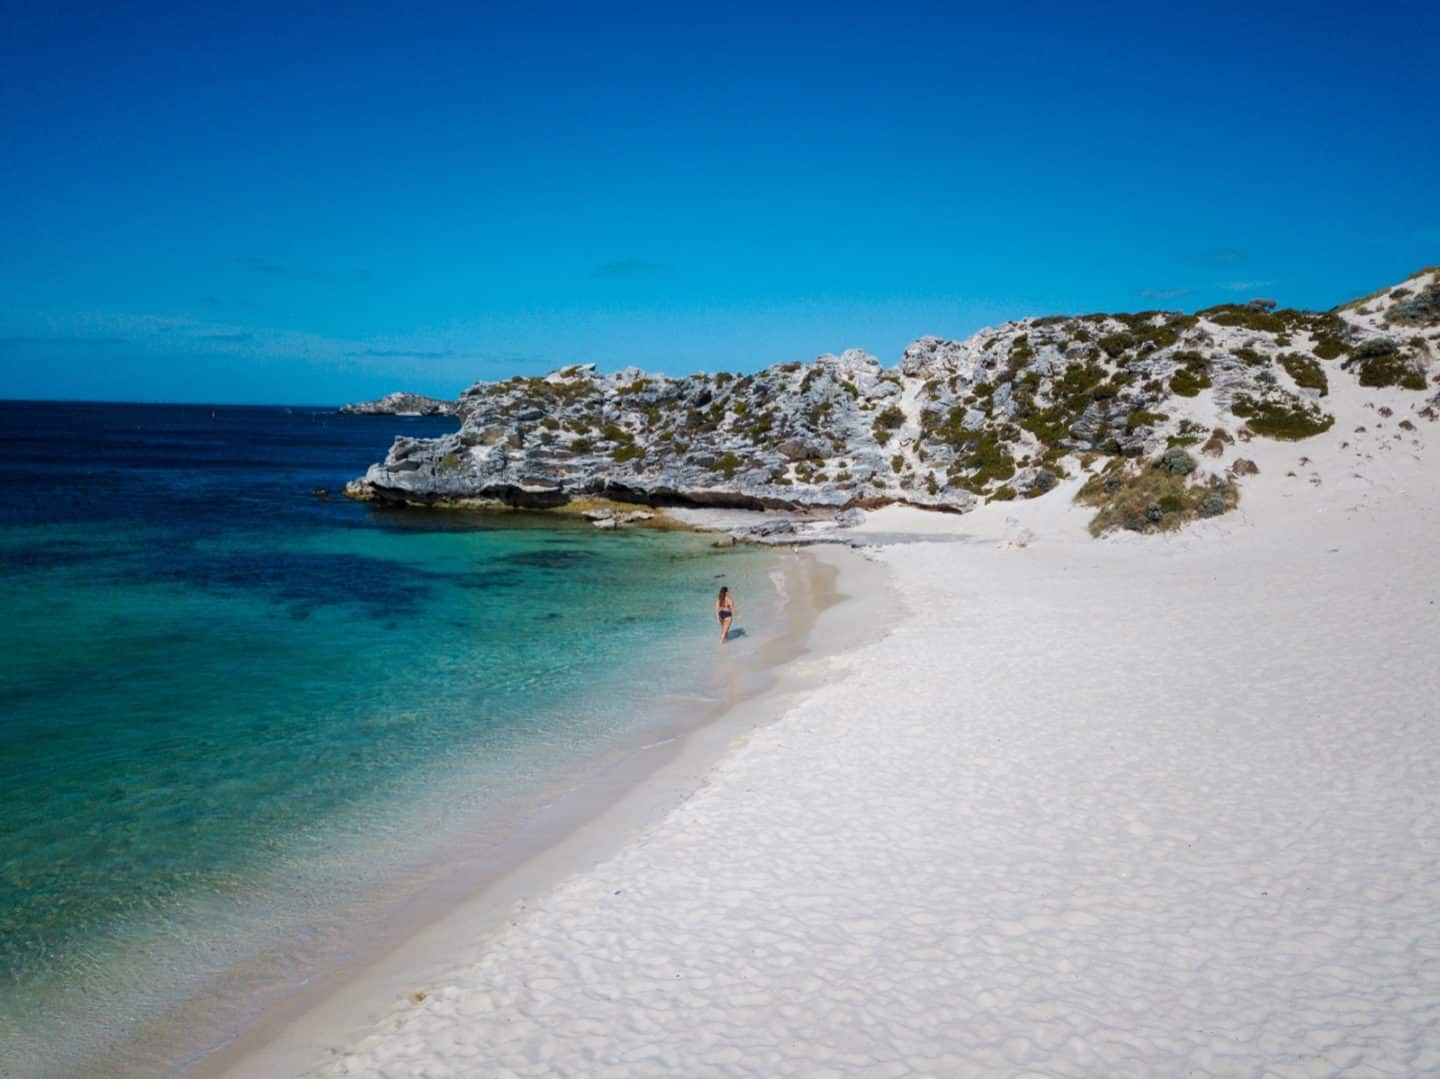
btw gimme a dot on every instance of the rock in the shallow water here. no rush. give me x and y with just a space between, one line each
766 530
611 518
401 404
849 518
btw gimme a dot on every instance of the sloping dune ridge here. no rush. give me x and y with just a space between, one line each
1155 804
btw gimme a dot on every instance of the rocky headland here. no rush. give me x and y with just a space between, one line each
1007 413
401 404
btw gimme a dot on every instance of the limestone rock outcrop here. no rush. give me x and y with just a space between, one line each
1005 413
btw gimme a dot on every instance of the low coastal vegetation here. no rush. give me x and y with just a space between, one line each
1307 373
1381 361
1421 308
1289 418
1192 376
1153 496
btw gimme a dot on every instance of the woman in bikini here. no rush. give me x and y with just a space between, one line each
725 612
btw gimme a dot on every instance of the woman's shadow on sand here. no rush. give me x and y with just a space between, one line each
735 634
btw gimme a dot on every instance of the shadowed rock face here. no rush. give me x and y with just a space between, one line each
953 422
401 404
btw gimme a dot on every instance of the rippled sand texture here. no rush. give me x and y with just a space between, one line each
1149 807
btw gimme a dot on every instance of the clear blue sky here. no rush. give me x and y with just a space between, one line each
257 205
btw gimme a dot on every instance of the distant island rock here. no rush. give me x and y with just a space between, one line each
1006 413
401 404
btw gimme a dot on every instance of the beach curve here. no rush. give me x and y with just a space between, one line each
1157 805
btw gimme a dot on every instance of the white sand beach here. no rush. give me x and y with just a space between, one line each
1143 806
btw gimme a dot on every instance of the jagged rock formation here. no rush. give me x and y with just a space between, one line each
1000 415
401 404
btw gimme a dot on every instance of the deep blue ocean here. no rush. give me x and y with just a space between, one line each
237 717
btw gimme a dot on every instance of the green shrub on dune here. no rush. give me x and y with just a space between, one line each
1248 317
1153 497
887 422
1306 372
1288 420
1421 309
1382 363
1186 383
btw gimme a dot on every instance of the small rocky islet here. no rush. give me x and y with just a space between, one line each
401 404
1006 413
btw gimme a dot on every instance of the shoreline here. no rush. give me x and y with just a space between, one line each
634 788
1064 814
1157 804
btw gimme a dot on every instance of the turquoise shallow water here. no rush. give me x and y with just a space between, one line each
233 715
